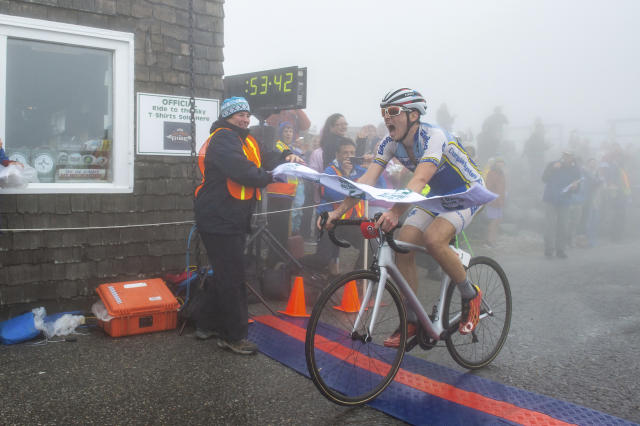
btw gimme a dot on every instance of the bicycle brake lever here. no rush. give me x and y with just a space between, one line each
324 216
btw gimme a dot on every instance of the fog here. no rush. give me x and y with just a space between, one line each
573 63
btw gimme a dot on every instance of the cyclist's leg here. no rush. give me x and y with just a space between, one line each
412 232
436 240
437 237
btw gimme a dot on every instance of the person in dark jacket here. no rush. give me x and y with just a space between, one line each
561 180
233 170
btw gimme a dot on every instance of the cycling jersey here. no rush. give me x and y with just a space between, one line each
455 170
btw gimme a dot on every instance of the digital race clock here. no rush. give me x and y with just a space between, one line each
271 90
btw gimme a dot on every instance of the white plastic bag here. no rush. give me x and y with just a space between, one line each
15 176
38 318
100 311
62 326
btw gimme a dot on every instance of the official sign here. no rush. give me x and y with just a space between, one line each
164 123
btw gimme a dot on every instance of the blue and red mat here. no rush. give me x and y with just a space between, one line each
426 393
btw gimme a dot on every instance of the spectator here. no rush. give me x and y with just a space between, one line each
334 128
4 160
591 186
336 125
296 117
491 136
617 191
309 191
366 141
298 201
561 179
534 150
327 253
496 183
280 195
444 118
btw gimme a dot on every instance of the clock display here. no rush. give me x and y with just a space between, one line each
277 89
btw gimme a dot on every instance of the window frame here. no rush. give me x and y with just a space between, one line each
121 44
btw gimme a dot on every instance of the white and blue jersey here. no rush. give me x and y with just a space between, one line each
455 170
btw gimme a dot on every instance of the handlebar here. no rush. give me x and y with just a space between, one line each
388 236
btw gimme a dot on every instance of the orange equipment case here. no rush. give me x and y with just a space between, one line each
141 306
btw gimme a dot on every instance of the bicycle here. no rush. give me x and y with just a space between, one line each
344 349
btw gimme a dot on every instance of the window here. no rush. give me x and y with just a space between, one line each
66 105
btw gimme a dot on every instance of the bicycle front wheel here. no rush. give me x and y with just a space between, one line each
480 347
348 362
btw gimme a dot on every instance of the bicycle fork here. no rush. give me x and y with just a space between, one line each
365 303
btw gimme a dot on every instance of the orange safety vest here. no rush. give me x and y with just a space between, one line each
355 211
287 188
251 151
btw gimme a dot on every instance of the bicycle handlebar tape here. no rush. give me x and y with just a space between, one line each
394 246
336 241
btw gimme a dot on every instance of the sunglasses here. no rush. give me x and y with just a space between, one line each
392 111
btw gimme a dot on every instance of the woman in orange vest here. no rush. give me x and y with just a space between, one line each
234 170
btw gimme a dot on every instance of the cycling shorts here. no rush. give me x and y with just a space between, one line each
421 218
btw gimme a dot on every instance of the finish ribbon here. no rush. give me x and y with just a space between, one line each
475 196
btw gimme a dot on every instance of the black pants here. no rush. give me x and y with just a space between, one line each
555 231
226 309
307 214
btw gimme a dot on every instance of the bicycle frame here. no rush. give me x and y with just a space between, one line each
388 268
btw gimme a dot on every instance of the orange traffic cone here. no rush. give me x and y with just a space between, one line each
297 306
350 300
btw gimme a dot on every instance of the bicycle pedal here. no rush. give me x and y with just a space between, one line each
412 343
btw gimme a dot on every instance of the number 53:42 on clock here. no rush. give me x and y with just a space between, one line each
264 84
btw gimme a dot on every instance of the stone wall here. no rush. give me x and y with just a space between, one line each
39 266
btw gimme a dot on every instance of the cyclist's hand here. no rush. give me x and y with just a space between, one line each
387 221
331 216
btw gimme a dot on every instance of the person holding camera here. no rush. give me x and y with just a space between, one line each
344 164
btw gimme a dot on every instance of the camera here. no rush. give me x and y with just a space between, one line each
356 161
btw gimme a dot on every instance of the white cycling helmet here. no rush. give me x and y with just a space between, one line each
408 98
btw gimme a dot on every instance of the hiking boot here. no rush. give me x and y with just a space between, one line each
470 312
242 346
204 333
393 341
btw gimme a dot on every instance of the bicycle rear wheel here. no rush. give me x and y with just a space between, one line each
348 367
480 347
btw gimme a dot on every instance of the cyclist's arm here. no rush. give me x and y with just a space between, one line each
423 174
432 152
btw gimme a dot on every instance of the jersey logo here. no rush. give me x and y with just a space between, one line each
383 144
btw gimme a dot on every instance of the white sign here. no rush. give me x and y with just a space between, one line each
164 123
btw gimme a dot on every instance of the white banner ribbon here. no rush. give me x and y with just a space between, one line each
474 196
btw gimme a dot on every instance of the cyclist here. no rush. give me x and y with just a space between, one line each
439 165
